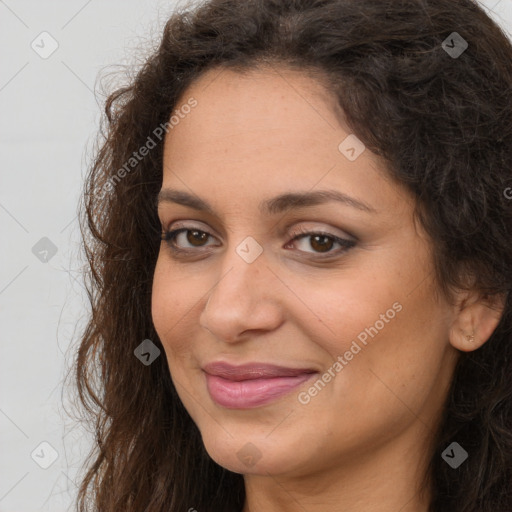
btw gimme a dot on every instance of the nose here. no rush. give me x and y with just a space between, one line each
243 299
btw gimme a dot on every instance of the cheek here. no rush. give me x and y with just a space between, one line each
379 328
161 306
170 305
341 309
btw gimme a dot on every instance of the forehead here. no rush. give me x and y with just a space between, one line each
266 99
262 132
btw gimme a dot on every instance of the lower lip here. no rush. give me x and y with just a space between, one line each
251 393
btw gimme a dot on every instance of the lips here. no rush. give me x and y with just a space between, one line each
252 385
253 371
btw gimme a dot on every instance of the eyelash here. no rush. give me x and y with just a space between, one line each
170 236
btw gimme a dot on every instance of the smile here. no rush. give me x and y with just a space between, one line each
251 386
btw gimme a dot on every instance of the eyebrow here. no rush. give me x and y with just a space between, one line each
273 206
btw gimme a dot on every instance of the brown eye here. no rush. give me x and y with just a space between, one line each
318 243
193 238
321 243
196 237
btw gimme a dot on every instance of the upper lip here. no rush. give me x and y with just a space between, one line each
251 371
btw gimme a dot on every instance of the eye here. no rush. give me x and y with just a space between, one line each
195 237
320 241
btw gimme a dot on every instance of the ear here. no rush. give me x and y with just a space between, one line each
477 318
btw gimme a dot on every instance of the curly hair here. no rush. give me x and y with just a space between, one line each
444 124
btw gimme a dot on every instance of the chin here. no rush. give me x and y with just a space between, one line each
256 457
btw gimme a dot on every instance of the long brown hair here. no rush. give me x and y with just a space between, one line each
442 121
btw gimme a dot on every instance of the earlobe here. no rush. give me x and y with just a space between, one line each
475 322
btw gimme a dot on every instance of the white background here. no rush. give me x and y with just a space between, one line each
49 118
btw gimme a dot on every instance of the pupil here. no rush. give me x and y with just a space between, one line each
194 235
321 247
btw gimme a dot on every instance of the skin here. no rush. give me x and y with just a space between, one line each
360 443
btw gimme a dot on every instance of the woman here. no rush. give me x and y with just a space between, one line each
299 234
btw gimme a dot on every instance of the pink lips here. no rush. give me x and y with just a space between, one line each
251 385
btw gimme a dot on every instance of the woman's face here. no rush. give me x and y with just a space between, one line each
261 278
